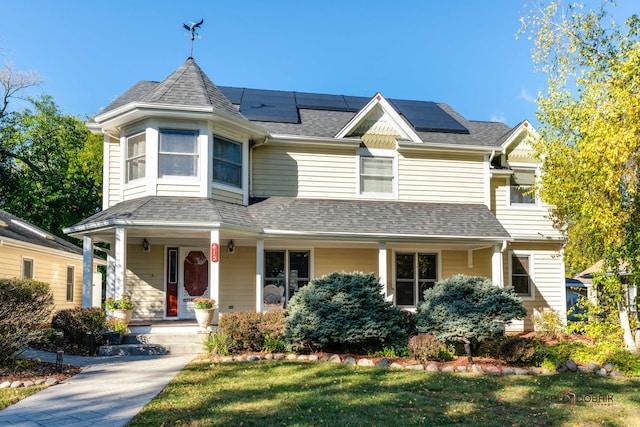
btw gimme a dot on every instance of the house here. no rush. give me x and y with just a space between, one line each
29 252
225 191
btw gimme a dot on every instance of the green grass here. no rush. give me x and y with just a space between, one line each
9 396
281 393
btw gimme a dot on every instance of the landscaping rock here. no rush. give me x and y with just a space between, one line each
292 357
253 358
462 368
616 374
38 382
571 365
520 371
593 366
384 363
365 362
584 370
278 356
16 384
477 369
492 370
415 367
601 372
533 370
303 357
349 360
608 367
508 371
395 365
313 358
432 367
51 381
268 356
448 369
562 368
546 371
227 359
28 384
335 359
5 384
324 358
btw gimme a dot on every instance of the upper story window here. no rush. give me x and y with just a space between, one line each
227 162
178 153
522 182
377 173
136 156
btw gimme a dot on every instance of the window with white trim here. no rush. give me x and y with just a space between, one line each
415 273
27 268
377 172
521 186
286 269
227 162
178 153
521 274
136 158
71 270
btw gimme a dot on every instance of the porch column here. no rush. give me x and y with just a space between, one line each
382 267
497 271
87 270
259 274
214 275
111 276
120 270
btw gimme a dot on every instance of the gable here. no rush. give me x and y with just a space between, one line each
377 130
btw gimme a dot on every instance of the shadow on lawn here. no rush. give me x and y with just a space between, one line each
294 393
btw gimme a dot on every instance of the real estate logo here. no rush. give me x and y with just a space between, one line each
569 398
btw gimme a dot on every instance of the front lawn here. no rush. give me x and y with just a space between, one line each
282 393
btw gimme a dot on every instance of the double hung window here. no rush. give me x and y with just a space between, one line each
178 153
227 162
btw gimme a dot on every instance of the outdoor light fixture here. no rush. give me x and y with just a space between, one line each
231 246
145 245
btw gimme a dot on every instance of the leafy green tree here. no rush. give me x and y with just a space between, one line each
468 310
590 139
50 163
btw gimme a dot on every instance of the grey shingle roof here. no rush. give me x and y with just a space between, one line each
361 217
309 216
11 230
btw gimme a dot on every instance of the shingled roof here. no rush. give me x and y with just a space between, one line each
12 227
320 217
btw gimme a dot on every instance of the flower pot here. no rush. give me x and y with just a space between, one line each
205 316
122 314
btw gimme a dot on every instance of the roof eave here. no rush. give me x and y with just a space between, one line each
407 146
383 236
312 140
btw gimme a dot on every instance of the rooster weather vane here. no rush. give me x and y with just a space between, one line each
192 28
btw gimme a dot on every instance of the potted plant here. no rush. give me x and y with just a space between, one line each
205 309
121 308
116 328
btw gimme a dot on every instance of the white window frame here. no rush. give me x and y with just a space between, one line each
536 172
416 280
532 276
287 267
241 164
33 267
195 155
129 159
72 284
377 153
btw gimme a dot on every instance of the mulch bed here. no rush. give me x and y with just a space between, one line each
32 370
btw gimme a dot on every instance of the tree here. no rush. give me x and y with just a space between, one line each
468 310
50 163
590 139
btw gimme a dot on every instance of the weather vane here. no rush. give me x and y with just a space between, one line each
192 28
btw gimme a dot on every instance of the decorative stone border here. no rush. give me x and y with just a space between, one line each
568 366
18 384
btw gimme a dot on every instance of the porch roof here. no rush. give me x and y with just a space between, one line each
318 218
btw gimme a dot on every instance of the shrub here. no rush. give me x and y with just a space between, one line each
24 304
548 324
123 303
80 325
247 330
426 347
467 309
217 344
343 312
522 351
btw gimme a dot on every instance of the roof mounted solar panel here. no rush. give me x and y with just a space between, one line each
233 94
269 106
321 101
427 116
356 103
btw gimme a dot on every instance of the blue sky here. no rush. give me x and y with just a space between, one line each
462 52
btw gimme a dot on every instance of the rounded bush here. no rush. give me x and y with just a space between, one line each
426 347
521 351
78 323
343 312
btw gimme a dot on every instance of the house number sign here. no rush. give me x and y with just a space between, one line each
215 252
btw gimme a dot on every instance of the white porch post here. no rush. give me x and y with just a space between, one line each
259 274
120 262
87 270
497 272
214 274
382 267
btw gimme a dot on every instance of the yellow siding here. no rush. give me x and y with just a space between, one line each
114 172
520 221
303 172
328 260
457 262
145 281
440 177
49 266
226 196
238 280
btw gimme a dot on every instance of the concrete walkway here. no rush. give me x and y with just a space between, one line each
109 391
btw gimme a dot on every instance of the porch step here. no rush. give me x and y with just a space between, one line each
173 343
132 350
